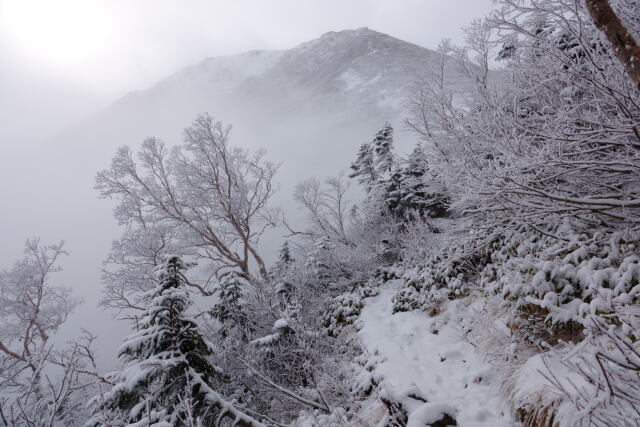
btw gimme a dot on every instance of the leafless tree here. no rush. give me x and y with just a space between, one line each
555 134
31 307
213 195
328 209
40 384
129 268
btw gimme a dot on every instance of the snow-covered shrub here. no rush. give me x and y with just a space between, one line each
366 380
608 366
550 277
344 309
444 275
554 281
280 329
391 272
337 417
590 383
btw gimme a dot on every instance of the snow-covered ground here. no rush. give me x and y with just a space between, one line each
428 357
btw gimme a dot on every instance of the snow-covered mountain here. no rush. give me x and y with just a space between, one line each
314 103
361 69
322 96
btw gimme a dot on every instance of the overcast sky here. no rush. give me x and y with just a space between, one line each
60 59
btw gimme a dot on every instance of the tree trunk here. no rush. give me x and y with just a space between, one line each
624 45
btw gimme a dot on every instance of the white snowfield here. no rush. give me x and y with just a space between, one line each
427 358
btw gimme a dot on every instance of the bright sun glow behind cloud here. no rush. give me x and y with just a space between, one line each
62 32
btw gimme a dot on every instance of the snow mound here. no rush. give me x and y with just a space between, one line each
431 413
430 357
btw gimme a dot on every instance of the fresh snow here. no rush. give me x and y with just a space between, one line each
446 370
221 74
280 324
429 413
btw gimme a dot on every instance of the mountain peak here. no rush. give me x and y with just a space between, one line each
362 31
359 35
360 70
353 59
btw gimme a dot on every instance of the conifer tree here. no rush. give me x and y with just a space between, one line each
374 161
230 309
166 361
382 145
394 192
284 260
420 193
410 191
363 167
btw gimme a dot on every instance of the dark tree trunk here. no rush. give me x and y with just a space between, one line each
624 45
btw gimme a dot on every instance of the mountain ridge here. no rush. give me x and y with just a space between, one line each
320 98
344 83
363 33
333 62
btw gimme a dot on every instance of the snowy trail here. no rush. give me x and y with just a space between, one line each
445 369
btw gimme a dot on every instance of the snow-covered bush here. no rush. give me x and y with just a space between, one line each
448 274
344 309
551 278
337 417
366 380
590 383
553 284
608 365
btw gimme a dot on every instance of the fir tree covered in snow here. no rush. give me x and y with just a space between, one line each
230 310
363 168
374 160
421 192
382 145
410 191
406 188
284 261
167 377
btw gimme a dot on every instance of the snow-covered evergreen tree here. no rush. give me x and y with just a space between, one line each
393 192
374 161
382 145
363 168
284 261
230 310
420 192
406 191
165 360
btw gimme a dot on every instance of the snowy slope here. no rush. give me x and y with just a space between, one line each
205 83
363 70
429 356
